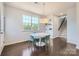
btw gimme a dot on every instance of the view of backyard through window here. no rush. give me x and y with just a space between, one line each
30 22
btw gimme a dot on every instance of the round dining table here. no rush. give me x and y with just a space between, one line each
39 35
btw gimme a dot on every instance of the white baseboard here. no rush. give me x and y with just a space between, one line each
1 49
9 43
77 47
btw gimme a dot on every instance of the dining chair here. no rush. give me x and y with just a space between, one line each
47 38
46 41
34 40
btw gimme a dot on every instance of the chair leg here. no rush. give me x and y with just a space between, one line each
46 48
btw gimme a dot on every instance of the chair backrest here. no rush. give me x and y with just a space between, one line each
34 39
47 37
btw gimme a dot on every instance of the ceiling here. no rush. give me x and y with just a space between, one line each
43 8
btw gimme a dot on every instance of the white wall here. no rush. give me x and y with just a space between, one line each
71 26
55 26
14 28
77 25
1 26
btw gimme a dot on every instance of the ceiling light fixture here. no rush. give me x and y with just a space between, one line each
36 2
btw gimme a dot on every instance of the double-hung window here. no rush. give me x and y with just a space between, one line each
30 22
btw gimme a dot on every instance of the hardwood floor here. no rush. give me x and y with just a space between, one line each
23 49
27 49
77 52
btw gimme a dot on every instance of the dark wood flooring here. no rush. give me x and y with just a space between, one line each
27 49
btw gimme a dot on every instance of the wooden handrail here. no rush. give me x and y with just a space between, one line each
61 23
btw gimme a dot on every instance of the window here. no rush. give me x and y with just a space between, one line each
30 22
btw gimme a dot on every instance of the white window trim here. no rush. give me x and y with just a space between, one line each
31 30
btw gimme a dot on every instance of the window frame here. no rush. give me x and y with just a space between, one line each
31 29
